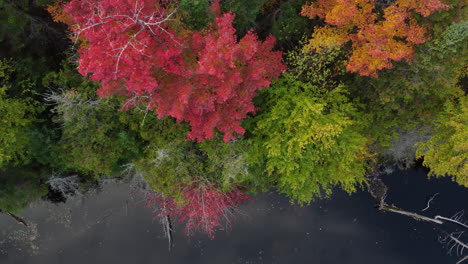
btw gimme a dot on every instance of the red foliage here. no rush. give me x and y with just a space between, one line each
226 78
124 42
207 79
205 208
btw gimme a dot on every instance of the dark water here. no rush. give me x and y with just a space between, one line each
112 226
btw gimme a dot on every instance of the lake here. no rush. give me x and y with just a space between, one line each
112 225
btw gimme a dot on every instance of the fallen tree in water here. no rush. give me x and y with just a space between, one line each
453 240
17 218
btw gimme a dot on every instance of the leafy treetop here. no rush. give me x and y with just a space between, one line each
376 42
206 78
446 152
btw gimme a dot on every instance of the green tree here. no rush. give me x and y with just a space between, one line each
93 140
28 35
18 188
446 152
309 137
195 14
170 162
287 25
16 122
246 13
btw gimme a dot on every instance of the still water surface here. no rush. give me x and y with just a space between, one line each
113 226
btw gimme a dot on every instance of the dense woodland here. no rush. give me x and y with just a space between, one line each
210 101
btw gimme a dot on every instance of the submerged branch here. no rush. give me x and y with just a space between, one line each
455 220
378 190
463 259
17 218
415 216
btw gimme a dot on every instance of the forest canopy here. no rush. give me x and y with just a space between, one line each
217 99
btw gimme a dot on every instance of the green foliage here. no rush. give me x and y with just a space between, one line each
312 131
227 162
27 32
17 118
307 141
18 112
246 13
18 189
195 13
419 94
324 69
12 25
439 21
44 147
410 95
93 140
288 24
451 41
446 152
170 162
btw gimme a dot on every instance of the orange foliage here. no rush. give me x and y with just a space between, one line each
342 12
376 43
58 14
423 7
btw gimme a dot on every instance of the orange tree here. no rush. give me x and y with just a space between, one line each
379 34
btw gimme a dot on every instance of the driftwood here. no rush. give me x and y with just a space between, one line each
17 218
378 190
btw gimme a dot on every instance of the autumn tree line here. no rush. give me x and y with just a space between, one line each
212 100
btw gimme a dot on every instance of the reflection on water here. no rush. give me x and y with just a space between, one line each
113 226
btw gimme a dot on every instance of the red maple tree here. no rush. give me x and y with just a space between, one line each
206 78
205 208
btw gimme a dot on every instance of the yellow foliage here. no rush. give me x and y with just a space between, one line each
328 37
446 153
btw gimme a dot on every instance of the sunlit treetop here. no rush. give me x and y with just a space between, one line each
376 42
206 78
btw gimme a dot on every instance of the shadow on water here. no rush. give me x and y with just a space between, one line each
113 226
